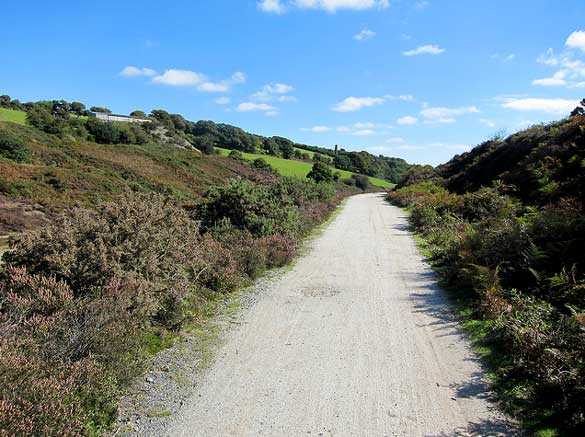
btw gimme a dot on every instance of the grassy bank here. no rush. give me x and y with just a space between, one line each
300 169
12 116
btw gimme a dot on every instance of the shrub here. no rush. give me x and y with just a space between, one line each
361 181
12 147
140 237
321 173
261 164
254 208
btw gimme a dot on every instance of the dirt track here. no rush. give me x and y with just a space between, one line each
355 340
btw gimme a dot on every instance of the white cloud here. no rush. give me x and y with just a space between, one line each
364 132
408 120
366 125
223 86
272 114
441 120
179 78
428 49
131 71
272 6
276 91
250 106
223 100
576 40
557 79
551 106
395 140
364 35
404 98
445 115
548 58
352 104
317 129
335 5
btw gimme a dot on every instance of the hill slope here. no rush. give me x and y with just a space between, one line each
505 227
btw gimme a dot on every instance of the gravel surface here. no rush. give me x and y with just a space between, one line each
355 340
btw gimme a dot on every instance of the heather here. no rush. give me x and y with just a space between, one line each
504 226
80 297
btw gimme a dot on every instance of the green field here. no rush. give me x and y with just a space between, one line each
300 169
18 117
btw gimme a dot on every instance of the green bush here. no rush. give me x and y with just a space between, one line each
247 206
12 147
321 173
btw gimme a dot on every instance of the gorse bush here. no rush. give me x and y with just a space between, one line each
78 297
12 147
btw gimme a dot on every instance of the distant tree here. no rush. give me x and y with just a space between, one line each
138 113
77 108
4 101
321 173
100 109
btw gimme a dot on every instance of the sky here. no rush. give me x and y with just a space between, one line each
418 79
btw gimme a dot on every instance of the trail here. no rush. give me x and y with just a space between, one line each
355 340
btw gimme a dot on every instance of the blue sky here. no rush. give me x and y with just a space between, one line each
422 80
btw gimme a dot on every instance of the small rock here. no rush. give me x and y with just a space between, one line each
150 379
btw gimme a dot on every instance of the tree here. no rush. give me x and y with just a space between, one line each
100 109
321 173
77 108
138 113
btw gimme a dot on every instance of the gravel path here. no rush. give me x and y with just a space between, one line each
355 340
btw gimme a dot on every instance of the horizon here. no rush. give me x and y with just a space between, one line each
367 75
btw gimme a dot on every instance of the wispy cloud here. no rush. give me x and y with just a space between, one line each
557 79
428 49
331 6
174 77
503 57
132 71
275 92
316 129
223 100
352 104
551 106
272 6
569 63
364 35
442 115
251 106
407 120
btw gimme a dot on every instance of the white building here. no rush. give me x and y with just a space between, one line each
120 118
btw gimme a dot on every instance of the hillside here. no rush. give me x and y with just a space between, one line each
65 173
300 169
504 226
